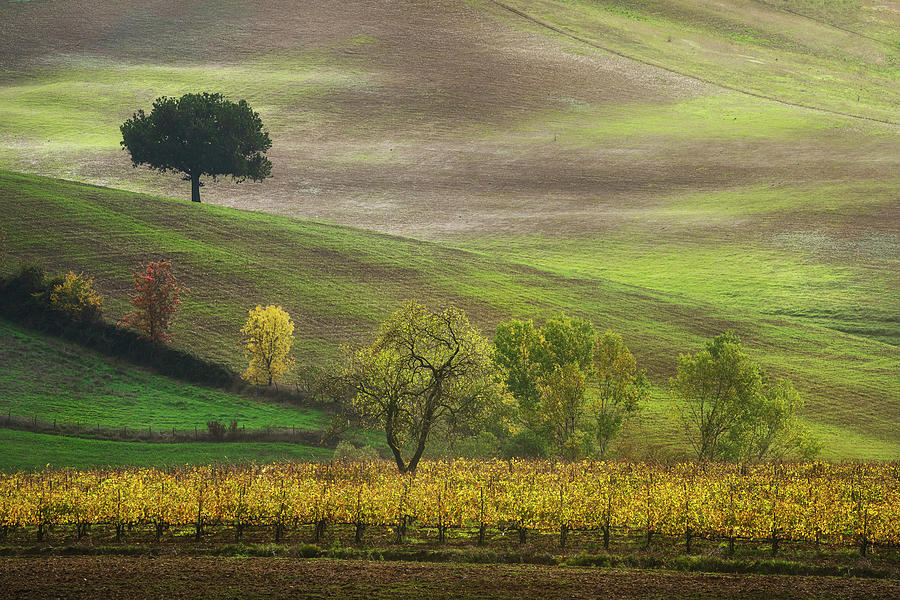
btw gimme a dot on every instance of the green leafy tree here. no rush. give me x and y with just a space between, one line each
775 431
727 408
562 408
519 352
424 372
567 340
621 388
199 135
533 358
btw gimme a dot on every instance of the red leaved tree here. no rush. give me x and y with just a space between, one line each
156 298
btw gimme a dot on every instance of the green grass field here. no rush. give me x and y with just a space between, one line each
25 451
837 56
55 380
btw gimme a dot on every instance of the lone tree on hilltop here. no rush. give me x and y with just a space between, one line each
199 134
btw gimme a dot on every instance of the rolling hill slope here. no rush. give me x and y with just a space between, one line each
56 380
658 143
338 283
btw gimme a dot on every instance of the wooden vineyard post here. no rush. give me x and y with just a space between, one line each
440 526
648 499
687 522
731 535
279 520
360 526
774 486
198 525
481 520
564 528
238 518
119 524
401 517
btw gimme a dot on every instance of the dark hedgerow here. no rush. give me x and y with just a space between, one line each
24 298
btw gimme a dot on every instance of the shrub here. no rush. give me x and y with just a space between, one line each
216 430
348 452
77 297
27 280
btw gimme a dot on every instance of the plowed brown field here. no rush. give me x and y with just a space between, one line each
431 119
125 578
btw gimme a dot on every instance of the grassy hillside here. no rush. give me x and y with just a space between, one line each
668 168
832 55
338 283
55 380
655 143
23 451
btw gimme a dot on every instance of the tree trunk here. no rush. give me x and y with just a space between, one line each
420 446
398 457
392 442
195 187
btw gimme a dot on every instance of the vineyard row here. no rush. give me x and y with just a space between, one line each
845 503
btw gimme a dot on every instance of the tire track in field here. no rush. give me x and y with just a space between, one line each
821 22
711 82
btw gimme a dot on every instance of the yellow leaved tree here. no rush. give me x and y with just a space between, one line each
268 336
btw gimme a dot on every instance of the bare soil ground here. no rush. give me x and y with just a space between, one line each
181 577
457 118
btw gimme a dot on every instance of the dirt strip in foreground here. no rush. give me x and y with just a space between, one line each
174 577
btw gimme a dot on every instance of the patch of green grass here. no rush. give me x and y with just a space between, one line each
774 250
22 451
338 283
718 117
56 380
746 46
79 102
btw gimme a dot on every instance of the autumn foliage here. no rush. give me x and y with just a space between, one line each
268 336
156 298
76 296
838 504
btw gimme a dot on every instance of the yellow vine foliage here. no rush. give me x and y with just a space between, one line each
75 294
268 336
839 503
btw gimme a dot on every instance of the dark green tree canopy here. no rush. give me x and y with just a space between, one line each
199 135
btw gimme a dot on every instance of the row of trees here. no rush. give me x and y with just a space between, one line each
563 389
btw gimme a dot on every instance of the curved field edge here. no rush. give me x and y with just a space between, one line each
26 451
747 46
338 283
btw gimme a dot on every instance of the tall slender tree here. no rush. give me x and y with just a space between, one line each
268 336
620 387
